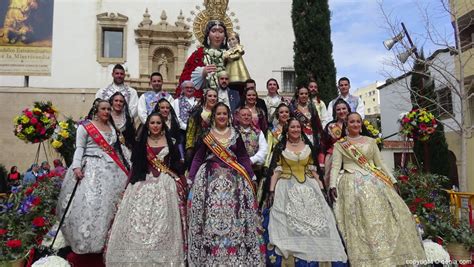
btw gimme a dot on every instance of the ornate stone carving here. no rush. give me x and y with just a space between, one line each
163 48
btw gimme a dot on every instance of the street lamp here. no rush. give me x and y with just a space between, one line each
403 57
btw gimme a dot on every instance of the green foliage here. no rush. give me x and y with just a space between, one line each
461 233
27 215
313 46
435 159
424 195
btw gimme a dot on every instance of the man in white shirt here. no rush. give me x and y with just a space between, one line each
355 102
317 102
130 94
184 104
148 100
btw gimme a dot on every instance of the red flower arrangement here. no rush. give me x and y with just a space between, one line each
429 205
424 195
36 125
36 201
39 222
13 243
403 178
26 216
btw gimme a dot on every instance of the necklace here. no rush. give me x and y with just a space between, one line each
354 138
303 106
221 132
294 143
156 138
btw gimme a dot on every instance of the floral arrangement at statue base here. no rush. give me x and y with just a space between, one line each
36 125
64 138
424 196
418 124
27 215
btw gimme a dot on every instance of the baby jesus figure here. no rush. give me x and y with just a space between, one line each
235 65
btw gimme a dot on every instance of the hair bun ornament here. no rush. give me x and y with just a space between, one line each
214 10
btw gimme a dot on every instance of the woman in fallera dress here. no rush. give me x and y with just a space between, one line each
273 99
223 221
303 110
259 120
150 224
123 122
98 164
199 123
300 227
334 130
375 223
171 120
279 118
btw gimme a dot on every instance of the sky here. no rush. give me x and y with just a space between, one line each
358 29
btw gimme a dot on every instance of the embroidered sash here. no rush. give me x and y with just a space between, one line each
160 166
228 158
335 130
305 120
102 143
363 162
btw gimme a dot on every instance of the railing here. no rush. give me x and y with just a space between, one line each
456 204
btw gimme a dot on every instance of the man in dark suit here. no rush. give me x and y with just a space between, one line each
224 94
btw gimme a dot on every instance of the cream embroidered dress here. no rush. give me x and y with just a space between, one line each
147 228
301 223
94 204
375 223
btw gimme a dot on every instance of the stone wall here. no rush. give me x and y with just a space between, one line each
71 102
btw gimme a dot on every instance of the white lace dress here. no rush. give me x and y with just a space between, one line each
147 227
301 223
94 204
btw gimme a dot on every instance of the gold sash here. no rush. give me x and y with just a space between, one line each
363 162
228 158
158 164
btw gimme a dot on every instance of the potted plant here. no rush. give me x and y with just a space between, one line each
27 214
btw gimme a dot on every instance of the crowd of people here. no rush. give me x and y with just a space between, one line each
14 178
218 177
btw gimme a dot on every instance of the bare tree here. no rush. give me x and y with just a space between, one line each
445 73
